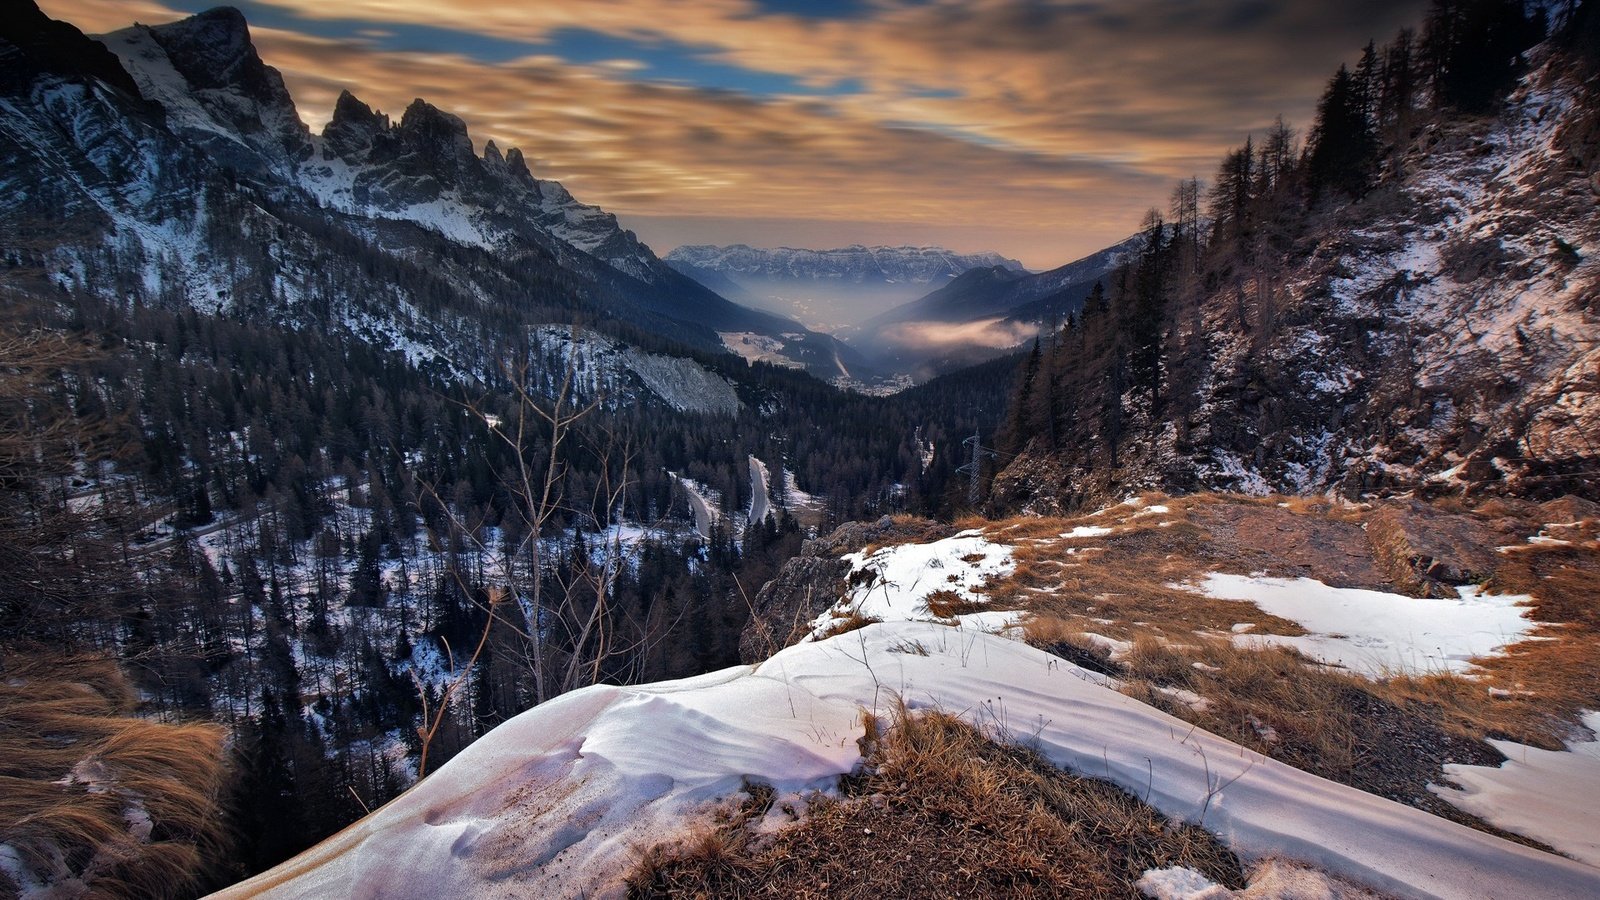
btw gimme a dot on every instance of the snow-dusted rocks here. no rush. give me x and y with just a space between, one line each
604 369
1438 334
216 91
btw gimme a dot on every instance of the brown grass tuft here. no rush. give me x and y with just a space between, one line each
949 604
943 811
125 805
846 622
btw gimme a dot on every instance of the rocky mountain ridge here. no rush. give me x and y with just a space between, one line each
160 159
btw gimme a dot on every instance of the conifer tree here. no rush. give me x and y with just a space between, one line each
1342 152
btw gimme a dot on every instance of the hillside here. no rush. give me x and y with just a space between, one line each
563 799
1435 334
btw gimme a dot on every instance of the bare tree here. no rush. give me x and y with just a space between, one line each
564 618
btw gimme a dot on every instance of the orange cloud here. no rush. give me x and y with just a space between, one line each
1038 129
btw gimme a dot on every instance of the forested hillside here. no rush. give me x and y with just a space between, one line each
1405 299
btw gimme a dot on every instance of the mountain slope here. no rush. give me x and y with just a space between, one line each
1436 335
1007 292
192 140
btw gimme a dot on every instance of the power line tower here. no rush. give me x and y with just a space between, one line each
974 468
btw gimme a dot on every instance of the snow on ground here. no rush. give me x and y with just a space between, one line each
602 367
1548 795
760 503
894 583
1087 531
705 503
754 348
558 801
796 499
1374 633
1114 648
1274 879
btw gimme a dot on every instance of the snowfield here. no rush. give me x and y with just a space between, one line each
1374 633
558 801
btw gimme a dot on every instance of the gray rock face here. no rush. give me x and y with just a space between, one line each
353 128
206 74
1430 553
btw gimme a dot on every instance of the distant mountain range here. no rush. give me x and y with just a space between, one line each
911 311
828 289
982 313
854 264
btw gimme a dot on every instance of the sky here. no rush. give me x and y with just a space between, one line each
1041 129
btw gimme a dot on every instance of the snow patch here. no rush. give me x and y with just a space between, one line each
1374 633
894 584
1547 795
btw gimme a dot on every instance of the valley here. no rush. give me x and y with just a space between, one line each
379 518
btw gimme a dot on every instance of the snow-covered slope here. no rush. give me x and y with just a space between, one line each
558 801
609 371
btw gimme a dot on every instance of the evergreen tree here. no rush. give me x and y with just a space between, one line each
1342 152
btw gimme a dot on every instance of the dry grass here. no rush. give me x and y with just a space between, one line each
1531 694
949 604
1389 736
127 806
1268 700
1539 687
1120 585
845 622
1110 584
941 811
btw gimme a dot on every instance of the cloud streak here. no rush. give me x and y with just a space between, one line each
1040 129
